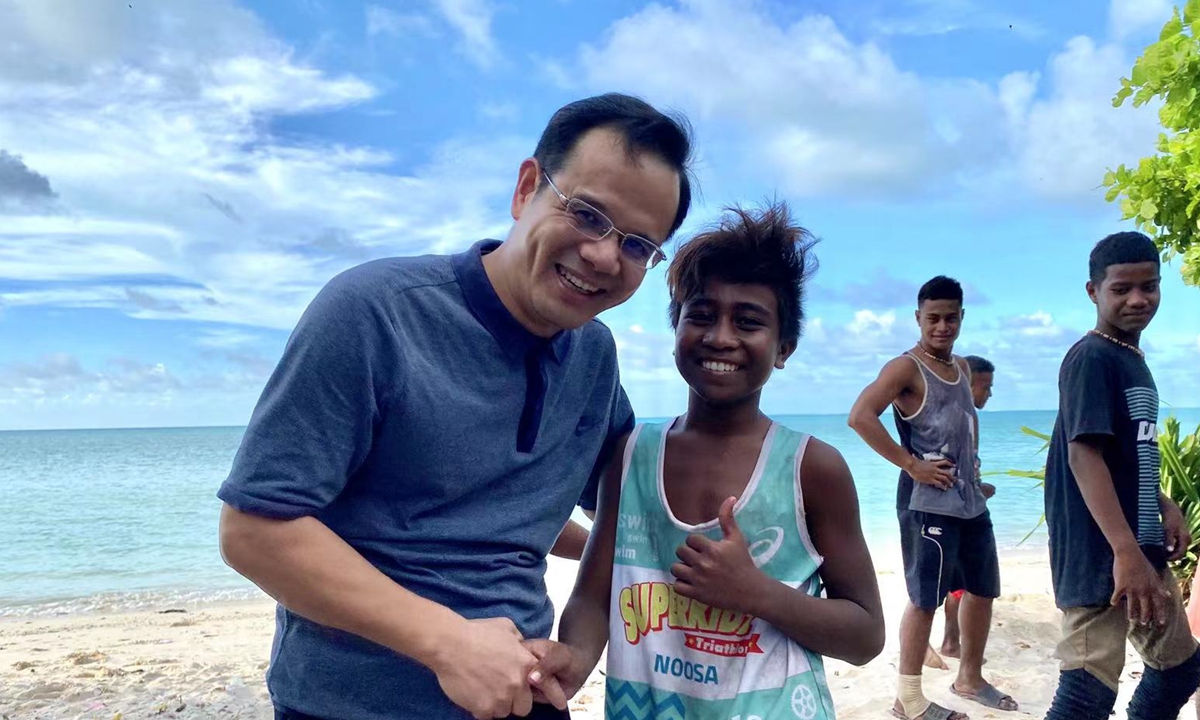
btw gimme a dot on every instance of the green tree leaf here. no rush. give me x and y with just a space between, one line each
1160 193
1173 27
1138 76
1191 11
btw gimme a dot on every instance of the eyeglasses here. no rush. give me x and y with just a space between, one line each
595 225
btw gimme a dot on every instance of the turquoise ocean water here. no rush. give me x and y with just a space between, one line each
115 519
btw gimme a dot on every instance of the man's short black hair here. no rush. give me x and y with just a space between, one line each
645 129
940 288
761 247
980 365
1121 249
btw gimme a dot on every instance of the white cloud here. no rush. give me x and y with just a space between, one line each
69 42
867 322
1065 140
1039 324
274 84
472 20
469 20
31 256
1128 17
62 376
382 21
225 338
823 113
60 390
155 140
805 108
648 373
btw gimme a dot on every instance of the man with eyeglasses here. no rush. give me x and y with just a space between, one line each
431 425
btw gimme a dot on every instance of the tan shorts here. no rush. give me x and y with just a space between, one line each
1094 638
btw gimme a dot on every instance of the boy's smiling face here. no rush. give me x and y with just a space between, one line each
727 341
1128 296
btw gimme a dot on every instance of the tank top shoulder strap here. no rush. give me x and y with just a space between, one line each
797 444
925 373
920 365
641 461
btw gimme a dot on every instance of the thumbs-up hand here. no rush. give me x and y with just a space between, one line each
719 573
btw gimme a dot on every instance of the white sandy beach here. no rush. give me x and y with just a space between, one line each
208 662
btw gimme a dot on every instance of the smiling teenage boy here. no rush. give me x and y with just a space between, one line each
1112 530
946 534
727 556
982 375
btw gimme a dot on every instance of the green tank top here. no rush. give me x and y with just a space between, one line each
672 657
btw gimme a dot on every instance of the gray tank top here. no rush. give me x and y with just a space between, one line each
944 426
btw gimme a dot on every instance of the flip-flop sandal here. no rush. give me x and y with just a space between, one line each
988 697
933 712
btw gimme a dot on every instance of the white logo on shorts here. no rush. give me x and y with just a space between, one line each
934 530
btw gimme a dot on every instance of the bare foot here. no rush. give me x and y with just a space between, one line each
898 711
935 661
956 653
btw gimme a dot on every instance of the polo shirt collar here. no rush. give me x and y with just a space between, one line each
485 305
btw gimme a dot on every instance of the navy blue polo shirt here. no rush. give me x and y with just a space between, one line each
417 419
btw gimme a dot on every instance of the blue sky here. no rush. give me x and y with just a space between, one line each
178 179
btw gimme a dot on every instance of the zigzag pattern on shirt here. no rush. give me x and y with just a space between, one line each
622 701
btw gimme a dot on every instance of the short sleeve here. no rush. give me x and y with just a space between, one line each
313 424
621 422
1085 388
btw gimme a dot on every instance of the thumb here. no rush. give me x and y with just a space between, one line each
729 526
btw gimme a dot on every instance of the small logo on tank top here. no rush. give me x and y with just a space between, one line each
761 551
804 702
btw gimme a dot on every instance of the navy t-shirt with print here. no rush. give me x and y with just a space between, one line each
1107 398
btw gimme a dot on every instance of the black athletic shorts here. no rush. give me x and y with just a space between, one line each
540 712
943 554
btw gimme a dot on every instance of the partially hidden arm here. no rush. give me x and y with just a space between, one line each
584 623
570 542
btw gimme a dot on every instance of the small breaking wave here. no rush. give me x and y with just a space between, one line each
158 601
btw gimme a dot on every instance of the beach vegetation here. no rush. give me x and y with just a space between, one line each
1180 469
1161 194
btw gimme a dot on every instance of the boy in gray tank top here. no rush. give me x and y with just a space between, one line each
946 532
